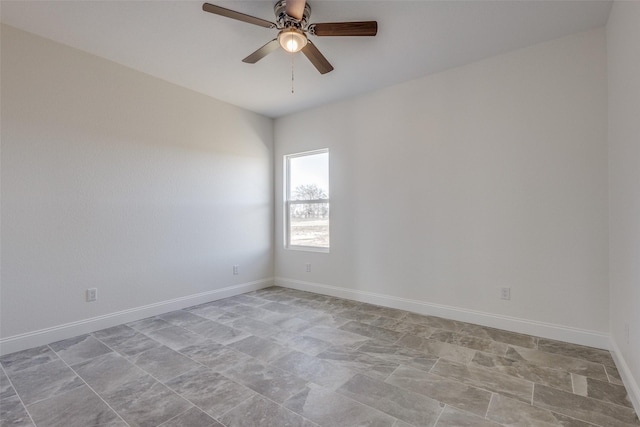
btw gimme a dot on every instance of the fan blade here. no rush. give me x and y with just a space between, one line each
207 7
313 54
295 8
265 50
363 28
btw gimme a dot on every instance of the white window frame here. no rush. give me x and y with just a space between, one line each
288 203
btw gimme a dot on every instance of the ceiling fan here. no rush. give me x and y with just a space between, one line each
292 23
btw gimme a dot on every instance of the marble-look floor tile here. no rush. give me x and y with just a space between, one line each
175 337
224 303
133 345
558 361
521 369
114 335
404 327
299 348
358 361
257 411
583 408
218 332
399 355
341 304
215 356
270 382
280 297
20 360
579 384
470 341
299 342
164 363
499 335
248 300
406 405
607 392
207 311
6 389
613 374
260 348
287 322
146 403
13 412
321 318
371 331
330 409
181 318
149 324
485 379
254 327
454 393
512 412
310 304
357 315
452 417
337 337
278 307
79 407
43 381
210 391
378 310
79 349
193 417
241 310
107 373
313 369
434 322
591 354
438 348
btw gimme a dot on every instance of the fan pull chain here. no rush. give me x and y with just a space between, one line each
292 72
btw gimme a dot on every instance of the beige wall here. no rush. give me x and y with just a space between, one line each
623 39
120 181
446 188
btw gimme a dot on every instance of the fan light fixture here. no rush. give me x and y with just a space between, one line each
292 40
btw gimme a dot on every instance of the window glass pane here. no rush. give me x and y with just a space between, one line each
309 177
309 224
307 200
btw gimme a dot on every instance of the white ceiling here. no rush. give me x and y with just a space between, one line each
178 42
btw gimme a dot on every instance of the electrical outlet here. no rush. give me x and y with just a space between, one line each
505 293
307 267
92 294
236 270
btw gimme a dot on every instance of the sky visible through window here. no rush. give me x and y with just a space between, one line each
312 169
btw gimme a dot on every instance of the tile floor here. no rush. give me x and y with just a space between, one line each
279 357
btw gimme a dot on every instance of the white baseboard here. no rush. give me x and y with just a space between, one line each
514 324
630 383
56 333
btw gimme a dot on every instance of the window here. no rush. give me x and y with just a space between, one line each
307 201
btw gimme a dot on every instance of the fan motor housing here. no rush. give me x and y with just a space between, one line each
284 20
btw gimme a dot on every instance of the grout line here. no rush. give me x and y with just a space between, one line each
533 391
87 384
440 414
156 379
222 374
486 414
17 394
606 373
180 414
